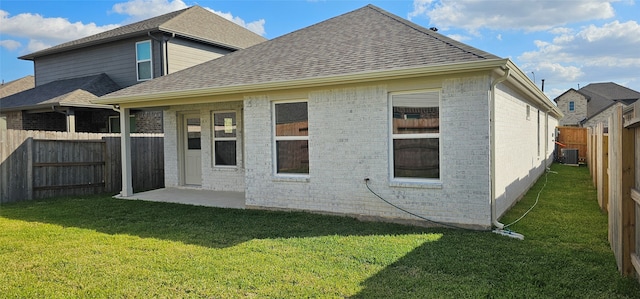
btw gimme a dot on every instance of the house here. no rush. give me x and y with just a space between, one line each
69 75
593 104
312 119
16 86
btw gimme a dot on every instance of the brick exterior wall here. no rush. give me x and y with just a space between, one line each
148 121
14 120
572 118
602 117
520 149
349 141
213 178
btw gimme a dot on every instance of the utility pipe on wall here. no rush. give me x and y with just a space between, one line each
492 115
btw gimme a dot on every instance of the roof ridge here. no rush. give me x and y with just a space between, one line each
430 33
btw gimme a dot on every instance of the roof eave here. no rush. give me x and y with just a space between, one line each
146 99
528 87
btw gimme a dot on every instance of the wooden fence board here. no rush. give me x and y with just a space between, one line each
574 137
38 164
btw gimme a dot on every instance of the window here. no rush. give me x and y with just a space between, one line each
143 60
114 124
572 106
291 129
416 135
224 138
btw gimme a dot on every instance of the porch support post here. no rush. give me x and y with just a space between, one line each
71 121
125 148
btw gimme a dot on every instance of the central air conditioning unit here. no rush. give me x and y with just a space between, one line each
570 156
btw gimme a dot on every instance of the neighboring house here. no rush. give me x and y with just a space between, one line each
301 122
115 59
593 103
16 86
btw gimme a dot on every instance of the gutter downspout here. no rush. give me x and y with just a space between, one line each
492 106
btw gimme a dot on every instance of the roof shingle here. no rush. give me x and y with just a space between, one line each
365 40
16 86
603 95
69 92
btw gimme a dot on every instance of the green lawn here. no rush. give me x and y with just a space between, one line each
103 247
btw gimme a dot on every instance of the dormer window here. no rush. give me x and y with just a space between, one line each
143 60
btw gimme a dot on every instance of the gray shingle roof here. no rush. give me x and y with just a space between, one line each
16 86
69 92
365 40
193 22
603 95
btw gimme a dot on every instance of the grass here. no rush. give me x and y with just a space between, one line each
100 247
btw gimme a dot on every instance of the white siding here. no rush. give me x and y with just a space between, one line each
184 54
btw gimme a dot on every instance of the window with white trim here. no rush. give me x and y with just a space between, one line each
144 69
291 136
224 139
572 106
415 144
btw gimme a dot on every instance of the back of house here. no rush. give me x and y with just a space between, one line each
365 114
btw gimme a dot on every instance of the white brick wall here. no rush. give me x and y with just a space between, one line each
349 140
213 178
518 163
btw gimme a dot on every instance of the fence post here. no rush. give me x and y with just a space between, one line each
622 181
29 169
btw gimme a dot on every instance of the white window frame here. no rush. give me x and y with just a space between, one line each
150 60
214 138
392 137
287 138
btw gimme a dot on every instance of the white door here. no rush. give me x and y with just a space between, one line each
192 148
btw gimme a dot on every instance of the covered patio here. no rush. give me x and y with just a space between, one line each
192 196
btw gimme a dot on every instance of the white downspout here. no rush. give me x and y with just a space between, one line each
492 109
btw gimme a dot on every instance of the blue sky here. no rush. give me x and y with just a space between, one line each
569 43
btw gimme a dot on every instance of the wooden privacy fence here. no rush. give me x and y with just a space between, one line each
574 137
41 164
623 200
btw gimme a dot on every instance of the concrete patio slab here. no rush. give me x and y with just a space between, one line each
192 196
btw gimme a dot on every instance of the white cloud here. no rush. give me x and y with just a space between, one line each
37 45
46 31
613 44
589 54
530 15
139 10
10 44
